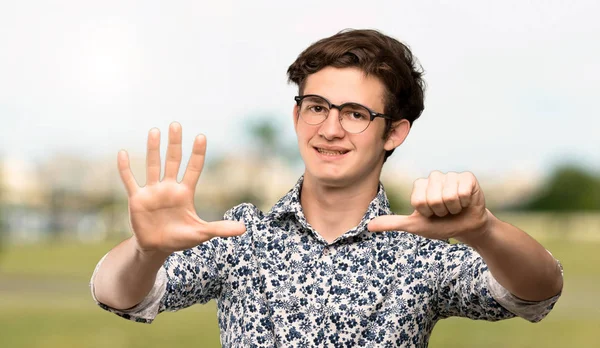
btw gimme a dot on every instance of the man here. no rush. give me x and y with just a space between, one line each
329 265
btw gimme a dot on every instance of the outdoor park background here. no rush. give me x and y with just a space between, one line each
512 97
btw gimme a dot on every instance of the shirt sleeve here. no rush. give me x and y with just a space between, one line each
466 288
191 276
187 277
145 311
533 311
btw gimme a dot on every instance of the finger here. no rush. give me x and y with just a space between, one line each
434 194
196 162
466 186
450 193
153 157
131 186
173 160
224 228
418 198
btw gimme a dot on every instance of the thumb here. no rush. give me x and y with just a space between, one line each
391 223
224 228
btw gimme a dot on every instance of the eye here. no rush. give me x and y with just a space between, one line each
318 109
358 115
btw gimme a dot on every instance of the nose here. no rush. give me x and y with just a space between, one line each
331 128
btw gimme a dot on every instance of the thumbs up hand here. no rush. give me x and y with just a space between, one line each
446 206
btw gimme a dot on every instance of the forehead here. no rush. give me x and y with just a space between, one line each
342 85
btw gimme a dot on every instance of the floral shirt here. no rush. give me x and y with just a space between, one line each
282 285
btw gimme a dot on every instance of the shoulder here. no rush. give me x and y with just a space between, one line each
244 212
252 217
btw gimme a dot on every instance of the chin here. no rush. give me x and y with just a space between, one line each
330 178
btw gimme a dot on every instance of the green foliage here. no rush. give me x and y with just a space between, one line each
570 188
398 203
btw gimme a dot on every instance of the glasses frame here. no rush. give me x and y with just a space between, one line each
372 114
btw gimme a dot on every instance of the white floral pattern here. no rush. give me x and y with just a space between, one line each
282 285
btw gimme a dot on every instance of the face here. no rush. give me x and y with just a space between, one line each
333 156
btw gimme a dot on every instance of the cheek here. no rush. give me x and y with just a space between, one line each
370 144
304 133
371 139
376 137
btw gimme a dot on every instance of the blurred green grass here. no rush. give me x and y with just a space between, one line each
45 302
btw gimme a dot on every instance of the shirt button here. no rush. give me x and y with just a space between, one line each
326 251
318 306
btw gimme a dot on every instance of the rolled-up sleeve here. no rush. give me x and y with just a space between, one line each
466 288
533 311
145 311
187 277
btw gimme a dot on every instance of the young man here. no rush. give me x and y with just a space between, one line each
329 265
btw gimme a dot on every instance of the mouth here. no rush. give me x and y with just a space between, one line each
331 153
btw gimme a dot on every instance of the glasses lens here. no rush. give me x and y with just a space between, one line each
314 110
355 118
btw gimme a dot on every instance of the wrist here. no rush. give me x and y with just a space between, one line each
148 255
482 237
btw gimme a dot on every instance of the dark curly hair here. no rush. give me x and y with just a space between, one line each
377 55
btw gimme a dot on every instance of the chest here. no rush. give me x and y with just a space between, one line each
296 291
363 279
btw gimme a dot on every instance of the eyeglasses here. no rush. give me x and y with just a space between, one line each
354 118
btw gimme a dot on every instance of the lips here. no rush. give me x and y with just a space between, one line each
326 152
331 151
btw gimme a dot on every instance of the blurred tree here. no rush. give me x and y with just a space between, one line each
57 207
398 203
268 148
569 188
266 135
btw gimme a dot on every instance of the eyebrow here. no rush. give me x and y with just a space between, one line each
346 102
316 96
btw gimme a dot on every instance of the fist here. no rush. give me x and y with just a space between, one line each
448 205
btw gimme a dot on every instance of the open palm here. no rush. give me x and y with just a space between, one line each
162 213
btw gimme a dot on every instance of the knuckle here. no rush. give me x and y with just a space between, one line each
449 196
467 175
418 201
451 177
419 182
435 203
436 174
424 210
465 193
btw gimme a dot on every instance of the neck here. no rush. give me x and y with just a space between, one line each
332 211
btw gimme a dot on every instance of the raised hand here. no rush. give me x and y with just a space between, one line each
446 206
162 213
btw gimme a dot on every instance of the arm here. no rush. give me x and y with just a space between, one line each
517 261
452 205
126 275
467 288
163 220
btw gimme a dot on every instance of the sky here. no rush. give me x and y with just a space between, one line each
512 85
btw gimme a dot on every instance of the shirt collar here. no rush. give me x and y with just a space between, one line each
290 204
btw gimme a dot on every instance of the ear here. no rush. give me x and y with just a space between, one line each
295 117
398 134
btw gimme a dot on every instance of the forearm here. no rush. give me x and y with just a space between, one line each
126 275
518 262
